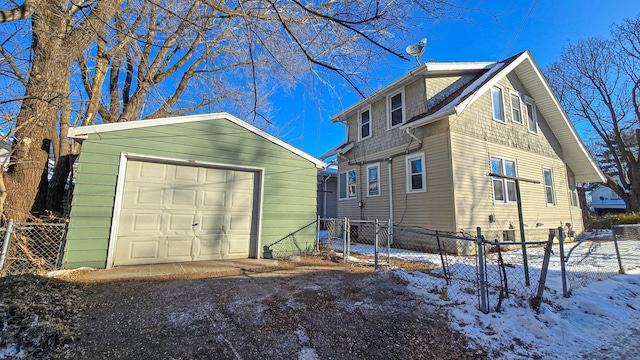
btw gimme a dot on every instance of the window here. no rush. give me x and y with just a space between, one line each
365 124
573 192
504 190
496 102
416 176
348 185
396 109
516 108
531 116
373 180
549 189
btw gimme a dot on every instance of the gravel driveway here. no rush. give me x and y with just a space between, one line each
305 312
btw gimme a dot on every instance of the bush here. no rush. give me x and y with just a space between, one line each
605 221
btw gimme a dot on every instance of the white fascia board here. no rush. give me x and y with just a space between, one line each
83 132
567 122
340 149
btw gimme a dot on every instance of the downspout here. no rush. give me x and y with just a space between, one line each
324 191
390 194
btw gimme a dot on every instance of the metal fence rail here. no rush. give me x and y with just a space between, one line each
32 248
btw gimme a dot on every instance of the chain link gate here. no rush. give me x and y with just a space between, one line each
32 248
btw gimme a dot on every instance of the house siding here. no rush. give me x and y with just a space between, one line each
439 87
432 209
289 193
475 138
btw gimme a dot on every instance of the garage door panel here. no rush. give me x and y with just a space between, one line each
211 222
186 174
215 177
145 196
180 223
186 197
241 200
214 198
176 213
141 223
179 247
240 222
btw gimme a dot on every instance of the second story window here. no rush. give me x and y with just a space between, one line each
497 104
531 116
395 105
504 190
365 124
516 109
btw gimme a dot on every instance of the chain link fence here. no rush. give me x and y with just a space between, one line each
601 255
31 248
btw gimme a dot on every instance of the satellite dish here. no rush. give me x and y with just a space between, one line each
416 50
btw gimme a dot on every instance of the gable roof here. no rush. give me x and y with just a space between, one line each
82 132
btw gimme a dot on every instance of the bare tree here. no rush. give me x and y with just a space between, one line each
598 82
115 60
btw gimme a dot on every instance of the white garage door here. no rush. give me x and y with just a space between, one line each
175 213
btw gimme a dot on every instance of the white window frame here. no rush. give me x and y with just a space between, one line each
402 108
533 117
377 167
519 109
409 174
346 183
574 201
360 124
505 182
552 186
493 110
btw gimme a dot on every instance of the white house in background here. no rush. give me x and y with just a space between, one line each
603 200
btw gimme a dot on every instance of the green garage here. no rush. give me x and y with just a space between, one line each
191 188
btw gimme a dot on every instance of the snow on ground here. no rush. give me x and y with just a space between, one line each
598 321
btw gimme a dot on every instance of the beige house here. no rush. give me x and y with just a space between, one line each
420 151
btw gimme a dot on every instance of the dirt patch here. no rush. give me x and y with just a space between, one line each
310 311
38 314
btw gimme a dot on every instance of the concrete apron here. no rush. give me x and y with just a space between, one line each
187 269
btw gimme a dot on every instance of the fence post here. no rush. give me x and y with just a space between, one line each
615 245
389 231
543 271
345 239
481 273
5 244
375 247
563 265
317 233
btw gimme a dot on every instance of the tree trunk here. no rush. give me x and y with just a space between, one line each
51 66
58 182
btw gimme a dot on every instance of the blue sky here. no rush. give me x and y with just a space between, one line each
303 114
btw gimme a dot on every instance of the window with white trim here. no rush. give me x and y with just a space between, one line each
532 121
365 124
373 180
416 173
395 106
573 191
347 185
549 188
516 108
504 190
497 104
